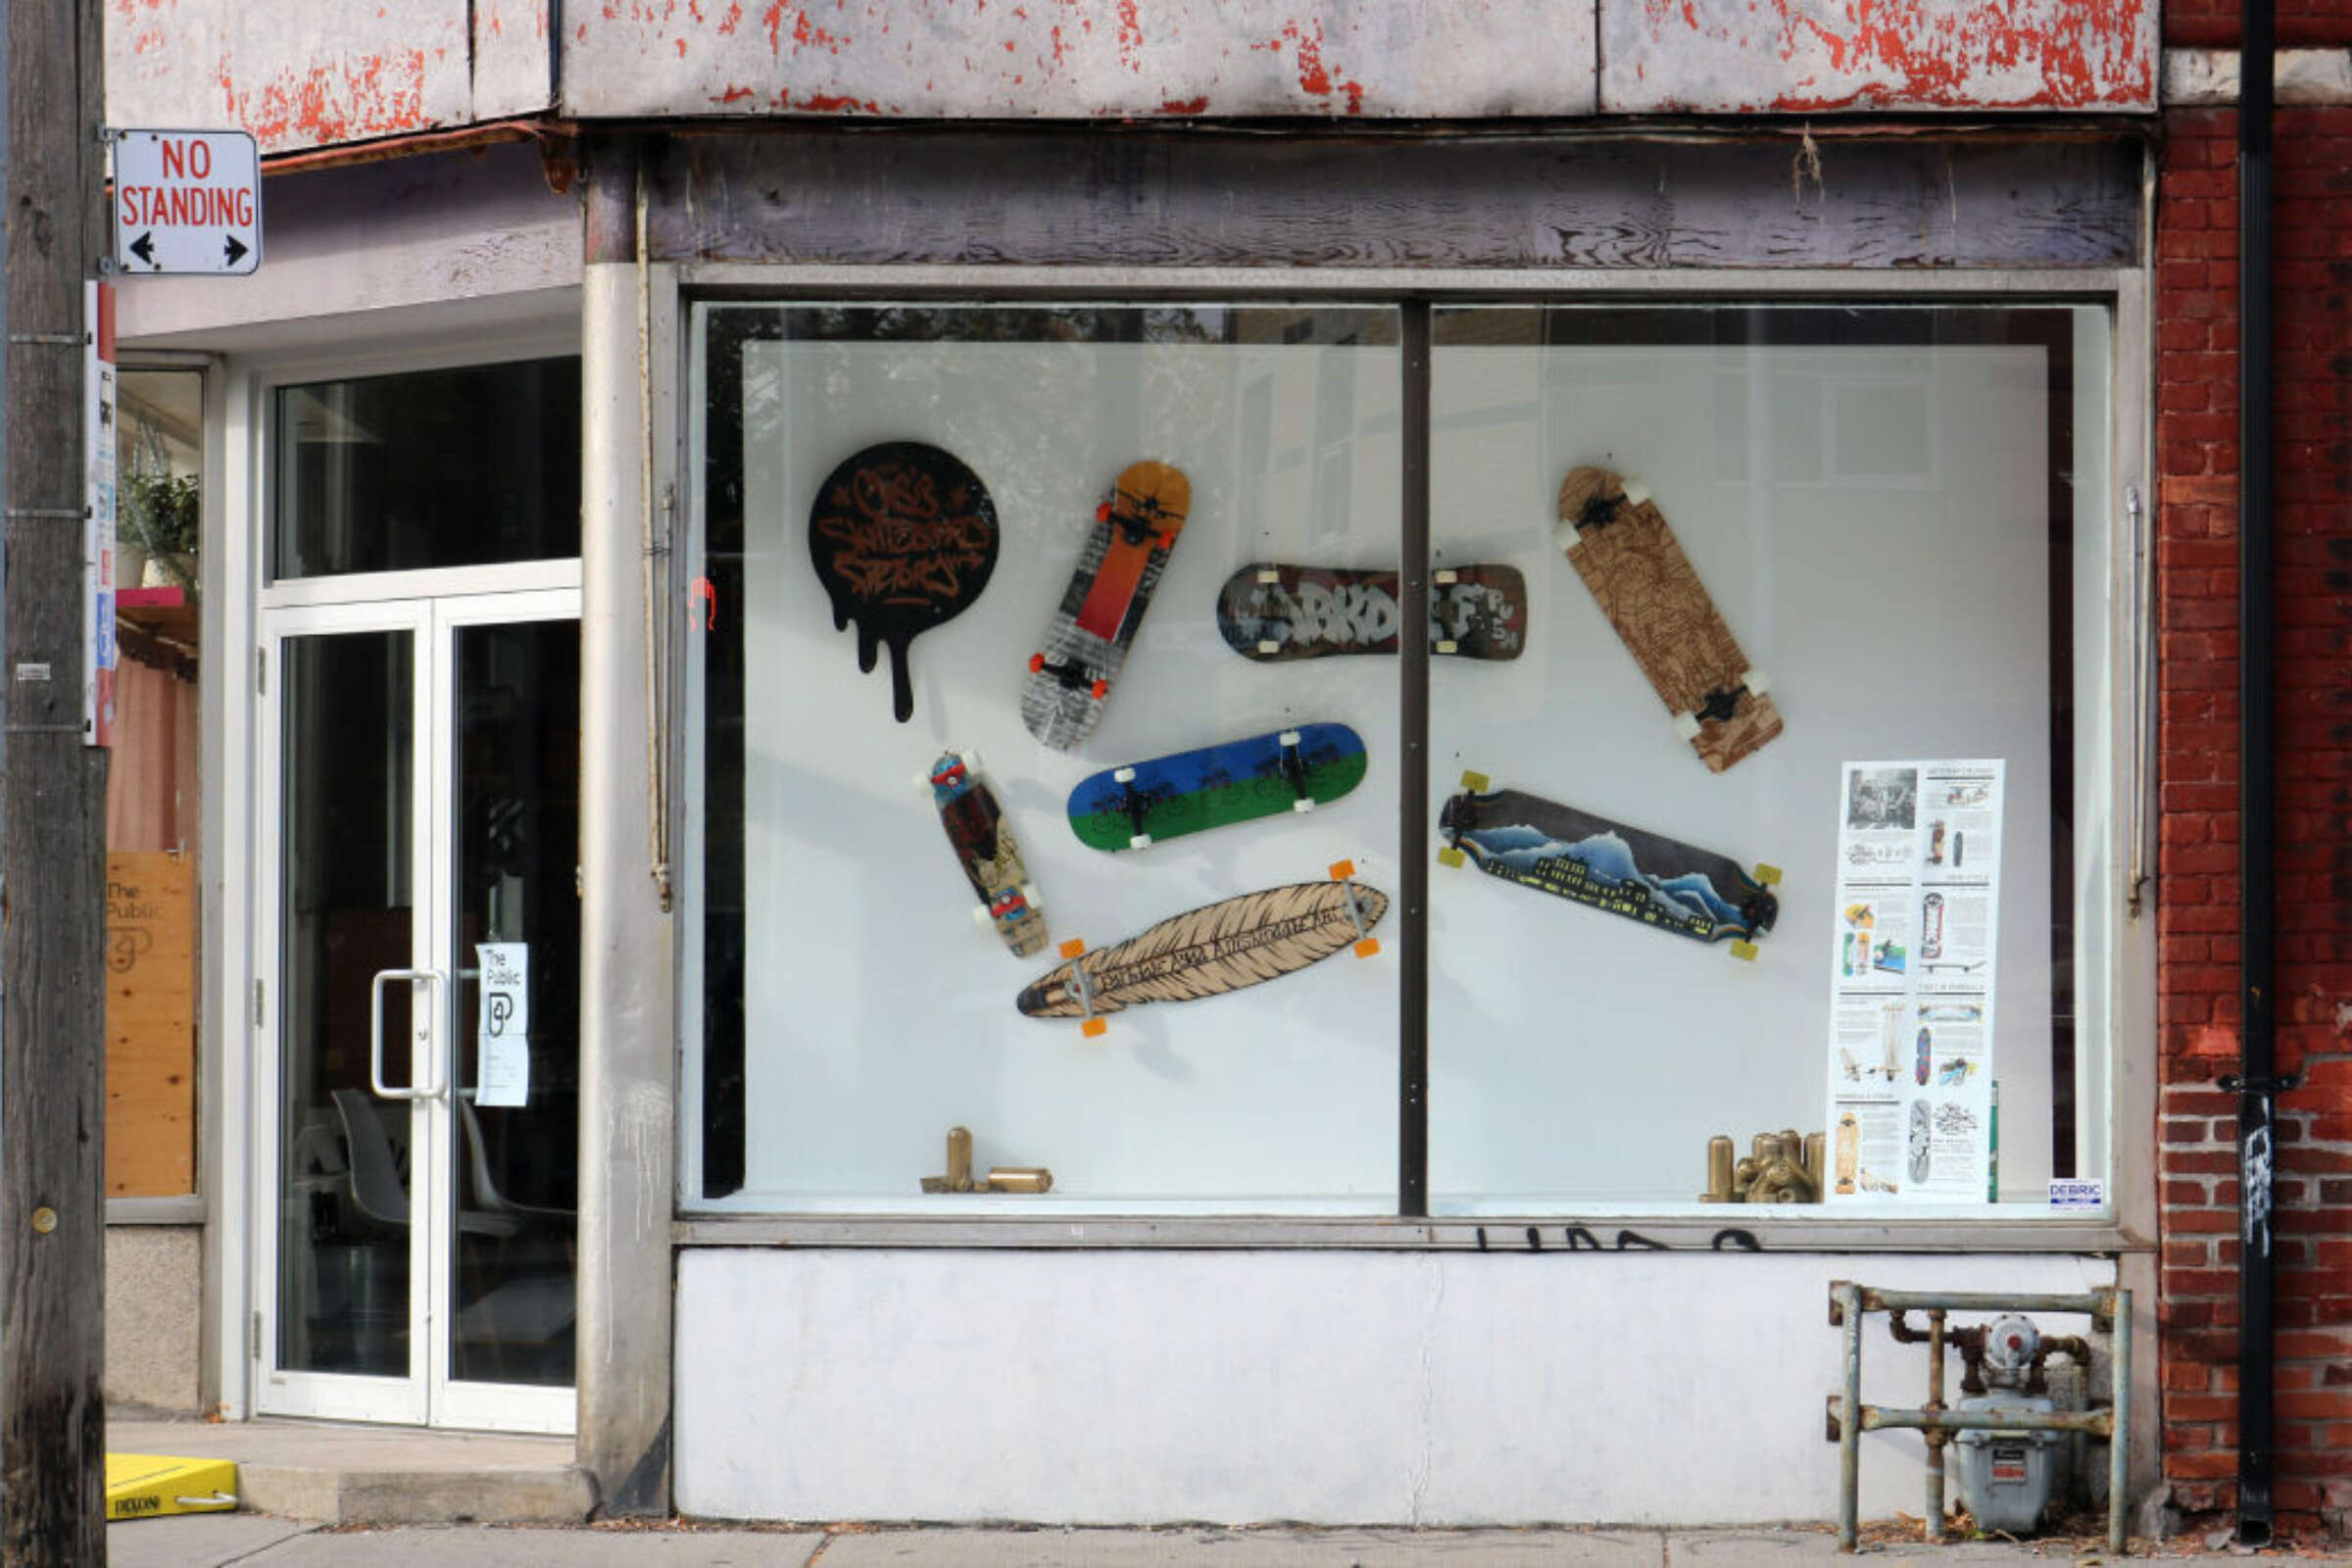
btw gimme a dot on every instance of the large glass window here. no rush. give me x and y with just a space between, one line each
1897 514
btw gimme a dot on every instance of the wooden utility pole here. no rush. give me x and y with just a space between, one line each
52 816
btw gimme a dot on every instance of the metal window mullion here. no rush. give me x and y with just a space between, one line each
1413 828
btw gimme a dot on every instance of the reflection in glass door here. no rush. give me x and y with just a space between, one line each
426 929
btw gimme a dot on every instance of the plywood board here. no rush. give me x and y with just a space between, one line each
149 1025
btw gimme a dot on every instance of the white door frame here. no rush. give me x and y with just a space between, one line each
427 1395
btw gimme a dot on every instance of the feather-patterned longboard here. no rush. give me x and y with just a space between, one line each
985 848
1125 553
1209 951
1618 541
1274 612
1135 807
1645 877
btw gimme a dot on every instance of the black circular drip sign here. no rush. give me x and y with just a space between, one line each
903 536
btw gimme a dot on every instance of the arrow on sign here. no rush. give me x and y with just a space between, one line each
232 250
144 248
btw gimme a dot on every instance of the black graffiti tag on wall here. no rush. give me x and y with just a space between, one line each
1578 1238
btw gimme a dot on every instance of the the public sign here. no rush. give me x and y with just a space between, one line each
187 201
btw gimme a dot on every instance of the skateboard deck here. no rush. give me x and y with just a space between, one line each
1618 541
904 537
1275 612
1590 859
984 845
1209 951
1070 676
1135 807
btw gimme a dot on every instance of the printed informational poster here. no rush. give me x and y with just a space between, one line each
1911 981
504 1075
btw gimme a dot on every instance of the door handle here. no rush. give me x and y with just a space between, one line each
435 981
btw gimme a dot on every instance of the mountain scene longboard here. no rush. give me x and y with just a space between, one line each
1125 553
1206 951
984 846
1274 612
1619 542
1136 805
1588 860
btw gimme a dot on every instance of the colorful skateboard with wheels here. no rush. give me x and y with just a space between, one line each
1619 543
992 860
1588 860
1124 555
1135 807
1273 612
1207 952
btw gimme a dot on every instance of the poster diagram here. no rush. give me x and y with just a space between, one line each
1911 981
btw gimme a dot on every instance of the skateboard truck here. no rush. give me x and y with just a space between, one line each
1365 945
1762 909
1070 676
1136 525
1294 770
999 1178
1451 855
1136 805
1082 989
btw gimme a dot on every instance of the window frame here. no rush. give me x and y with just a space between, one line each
2126 1224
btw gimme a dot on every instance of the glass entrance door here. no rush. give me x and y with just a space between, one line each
420 1248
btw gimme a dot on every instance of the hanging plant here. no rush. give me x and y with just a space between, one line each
159 514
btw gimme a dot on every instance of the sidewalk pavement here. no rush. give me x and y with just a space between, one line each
259 1541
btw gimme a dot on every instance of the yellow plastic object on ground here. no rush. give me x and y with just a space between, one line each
148 1486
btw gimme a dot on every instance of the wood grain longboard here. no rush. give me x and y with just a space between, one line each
1206 951
1239 781
1126 550
1274 612
1619 542
1588 860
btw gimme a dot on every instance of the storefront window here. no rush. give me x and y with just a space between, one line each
1874 537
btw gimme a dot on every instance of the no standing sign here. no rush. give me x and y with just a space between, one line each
187 201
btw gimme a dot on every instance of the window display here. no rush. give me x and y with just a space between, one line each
1150 548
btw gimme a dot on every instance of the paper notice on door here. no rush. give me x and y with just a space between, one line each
504 1074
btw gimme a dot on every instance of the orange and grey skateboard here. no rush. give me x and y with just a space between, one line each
1619 543
1124 555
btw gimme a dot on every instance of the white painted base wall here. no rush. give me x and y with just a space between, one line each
1676 1387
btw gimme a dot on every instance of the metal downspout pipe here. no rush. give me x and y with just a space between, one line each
2257 1083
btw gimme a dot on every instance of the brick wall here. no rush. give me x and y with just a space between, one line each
2197 459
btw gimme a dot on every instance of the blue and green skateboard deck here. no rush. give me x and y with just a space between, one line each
1133 807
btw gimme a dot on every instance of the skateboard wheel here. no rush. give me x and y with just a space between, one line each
1305 803
1342 870
1071 949
1447 575
1029 895
1267 646
1092 1028
971 761
1099 690
1142 841
1366 948
922 781
1744 952
1165 541
1102 512
1756 682
1037 662
1451 855
1447 646
980 915
1475 783
1769 875
1566 536
1122 775
1269 574
1686 725
1636 492
1289 737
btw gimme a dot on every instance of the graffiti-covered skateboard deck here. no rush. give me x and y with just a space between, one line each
904 537
1222 947
1136 805
1588 860
1274 612
1125 553
984 845
1618 541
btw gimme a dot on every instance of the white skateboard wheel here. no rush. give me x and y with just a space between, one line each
1305 804
980 915
1637 491
922 781
1756 682
1447 646
970 760
1289 737
1269 574
1029 895
1686 725
1122 775
1141 841
1447 575
1267 646
1566 536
